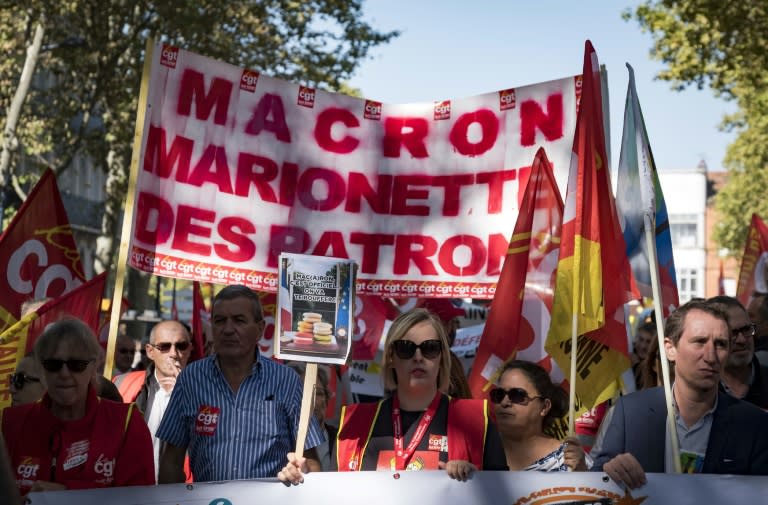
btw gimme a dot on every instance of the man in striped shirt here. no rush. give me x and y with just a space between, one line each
235 412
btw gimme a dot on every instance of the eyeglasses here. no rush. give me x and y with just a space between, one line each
405 349
166 346
515 395
74 365
747 330
19 379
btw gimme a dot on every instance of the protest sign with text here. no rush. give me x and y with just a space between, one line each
238 167
316 304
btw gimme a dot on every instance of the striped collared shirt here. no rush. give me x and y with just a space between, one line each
241 435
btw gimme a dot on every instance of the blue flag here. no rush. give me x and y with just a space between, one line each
639 192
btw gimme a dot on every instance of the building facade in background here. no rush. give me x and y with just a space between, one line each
689 195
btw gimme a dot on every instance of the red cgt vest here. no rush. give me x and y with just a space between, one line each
467 426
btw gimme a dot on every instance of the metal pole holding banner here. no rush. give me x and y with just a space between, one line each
122 257
650 240
307 400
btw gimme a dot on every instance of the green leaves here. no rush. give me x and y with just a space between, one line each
723 46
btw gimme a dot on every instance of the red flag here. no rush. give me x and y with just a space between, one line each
269 307
519 316
83 302
371 314
593 275
754 262
38 252
199 316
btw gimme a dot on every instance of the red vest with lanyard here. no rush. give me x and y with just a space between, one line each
467 424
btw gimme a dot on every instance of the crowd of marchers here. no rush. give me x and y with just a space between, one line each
234 414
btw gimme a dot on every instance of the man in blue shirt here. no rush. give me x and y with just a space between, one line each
236 413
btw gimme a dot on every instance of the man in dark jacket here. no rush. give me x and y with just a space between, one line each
717 433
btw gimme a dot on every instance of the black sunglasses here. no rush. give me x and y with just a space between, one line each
74 365
748 330
405 349
515 395
19 379
166 346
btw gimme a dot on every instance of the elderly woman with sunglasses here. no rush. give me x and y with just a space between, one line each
527 403
72 439
418 427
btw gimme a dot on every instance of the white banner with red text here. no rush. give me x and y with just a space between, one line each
237 167
432 487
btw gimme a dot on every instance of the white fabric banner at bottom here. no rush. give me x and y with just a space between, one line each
371 488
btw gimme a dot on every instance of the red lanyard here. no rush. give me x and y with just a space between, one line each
403 456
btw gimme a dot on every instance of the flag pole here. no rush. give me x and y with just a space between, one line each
122 258
650 240
572 378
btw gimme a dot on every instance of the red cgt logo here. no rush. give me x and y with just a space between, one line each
506 99
248 80
207 420
169 56
372 110
306 97
443 110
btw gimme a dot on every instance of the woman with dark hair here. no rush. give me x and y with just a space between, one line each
526 404
418 426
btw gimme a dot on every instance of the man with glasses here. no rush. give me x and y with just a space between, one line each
716 432
236 411
168 349
743 377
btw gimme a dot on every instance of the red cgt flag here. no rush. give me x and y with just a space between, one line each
371 315
593 276
519 316
37 252
83 302
753 275
200 315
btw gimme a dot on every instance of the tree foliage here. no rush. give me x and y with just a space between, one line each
723 46
87 82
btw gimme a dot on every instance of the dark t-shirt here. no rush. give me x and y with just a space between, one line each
379 455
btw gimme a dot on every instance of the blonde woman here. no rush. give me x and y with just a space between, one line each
418 426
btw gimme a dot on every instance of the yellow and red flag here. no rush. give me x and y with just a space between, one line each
753 274
520 312
38 254
593 275
83 302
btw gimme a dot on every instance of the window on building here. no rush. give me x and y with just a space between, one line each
684 230
687 284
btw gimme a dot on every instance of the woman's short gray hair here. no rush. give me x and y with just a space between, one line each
72 332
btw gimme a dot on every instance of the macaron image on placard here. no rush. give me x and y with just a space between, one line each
323 333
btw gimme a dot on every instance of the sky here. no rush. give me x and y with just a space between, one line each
453 49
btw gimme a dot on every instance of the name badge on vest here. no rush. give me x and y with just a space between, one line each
207 420
77 454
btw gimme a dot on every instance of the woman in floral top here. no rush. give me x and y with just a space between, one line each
526 404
